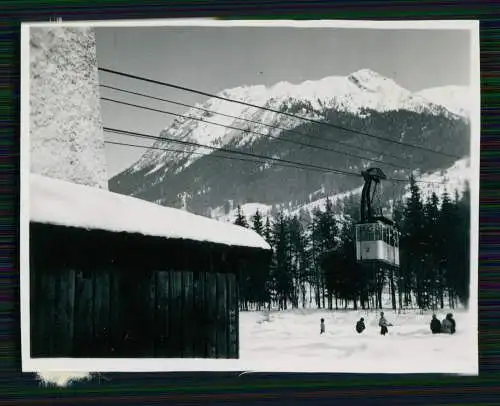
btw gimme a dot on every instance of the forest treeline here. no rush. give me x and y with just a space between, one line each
314 260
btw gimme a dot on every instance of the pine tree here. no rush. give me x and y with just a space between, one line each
413 243
240 218
326 234
281 272
244 278
268 231
257 225
352 206
324 239
447 219
299 259
315 255
269 285
304 217
399 219
328 227
344 278
258 279
432 280
462 247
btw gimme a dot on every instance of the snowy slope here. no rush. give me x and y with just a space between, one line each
450 180
66 137
320 204
247 209
456 99
53 201
354 93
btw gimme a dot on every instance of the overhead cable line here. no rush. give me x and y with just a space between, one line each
254 132
338 127
213 156
251 121
302 165
191 143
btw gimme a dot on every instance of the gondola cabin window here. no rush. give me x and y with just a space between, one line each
377 242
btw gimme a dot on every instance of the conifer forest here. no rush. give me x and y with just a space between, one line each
314 261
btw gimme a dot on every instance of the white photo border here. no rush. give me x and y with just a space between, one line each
214 365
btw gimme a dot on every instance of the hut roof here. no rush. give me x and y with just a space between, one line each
58 202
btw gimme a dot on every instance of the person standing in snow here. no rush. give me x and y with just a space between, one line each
383 324
360 325
453 324
322 326
448 325
435 325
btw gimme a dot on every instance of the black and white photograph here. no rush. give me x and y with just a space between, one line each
275 196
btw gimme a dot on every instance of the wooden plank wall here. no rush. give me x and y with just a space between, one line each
101 312
163 308
107 313
84 345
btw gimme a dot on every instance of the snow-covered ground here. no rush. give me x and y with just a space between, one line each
290 341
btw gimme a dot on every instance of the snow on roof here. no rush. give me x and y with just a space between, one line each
58 202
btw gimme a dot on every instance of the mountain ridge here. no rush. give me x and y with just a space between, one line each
451 180
383 94
362 101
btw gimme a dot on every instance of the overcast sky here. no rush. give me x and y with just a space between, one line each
216 58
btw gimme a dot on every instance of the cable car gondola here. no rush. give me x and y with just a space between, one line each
377 238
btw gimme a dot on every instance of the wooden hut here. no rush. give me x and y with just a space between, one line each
115 276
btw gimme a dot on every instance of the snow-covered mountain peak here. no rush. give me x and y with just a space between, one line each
369 80
217 122
247 93
387 93
330 87
363 89
366 75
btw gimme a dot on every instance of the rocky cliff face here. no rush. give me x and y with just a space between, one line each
66 137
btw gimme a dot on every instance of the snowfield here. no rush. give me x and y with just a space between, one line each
290 342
